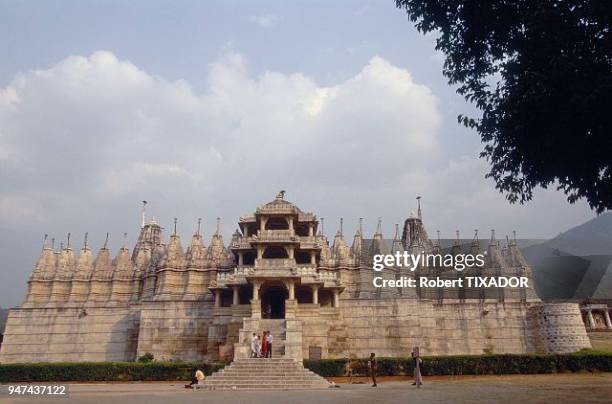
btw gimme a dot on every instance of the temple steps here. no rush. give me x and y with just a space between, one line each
264 374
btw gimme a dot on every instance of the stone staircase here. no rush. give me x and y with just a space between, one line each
278 331
264 374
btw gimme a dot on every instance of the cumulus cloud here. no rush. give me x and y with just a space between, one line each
82 142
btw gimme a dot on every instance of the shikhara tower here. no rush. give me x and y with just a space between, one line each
278 273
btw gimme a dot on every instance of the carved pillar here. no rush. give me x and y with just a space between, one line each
590 319
313 257
291 287
236 295
256 286
315 294
291 225
290 252
217 298
240 259
607 318
245 230
336 298
259 252
310 230
262 223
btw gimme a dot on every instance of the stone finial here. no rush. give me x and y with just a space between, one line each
361 226
396 236
68 246
438 236
175 220
321 231
85 246
492 236
341 226
420 216
105 246
144 213
281 195
124 241
53 243
199 226
218 225
379 226
45 241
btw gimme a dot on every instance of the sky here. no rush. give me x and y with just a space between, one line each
208 109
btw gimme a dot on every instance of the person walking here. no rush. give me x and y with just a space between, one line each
264 344
269 340
373 368
416 357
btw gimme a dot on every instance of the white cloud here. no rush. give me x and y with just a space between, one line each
265 20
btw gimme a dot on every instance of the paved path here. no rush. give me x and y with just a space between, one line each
565 388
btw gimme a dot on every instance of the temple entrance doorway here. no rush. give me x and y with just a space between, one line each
273 302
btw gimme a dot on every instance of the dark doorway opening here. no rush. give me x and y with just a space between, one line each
273 302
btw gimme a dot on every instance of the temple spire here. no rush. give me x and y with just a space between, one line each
85 246
418 198
218 225
175 220
106 241
457 241
379 226
45 241
53 243
144 213
438 234
361 225
124 240
341 226
475 234
199 225
492 236
68 247
322 232
396 237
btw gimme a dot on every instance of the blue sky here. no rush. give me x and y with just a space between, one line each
207 109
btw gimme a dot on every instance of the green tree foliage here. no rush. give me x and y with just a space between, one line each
541 74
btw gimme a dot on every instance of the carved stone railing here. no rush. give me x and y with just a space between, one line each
274 263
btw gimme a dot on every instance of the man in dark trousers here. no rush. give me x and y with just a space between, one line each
269 339
373 368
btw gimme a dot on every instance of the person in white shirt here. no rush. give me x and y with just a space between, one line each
269 343
254 346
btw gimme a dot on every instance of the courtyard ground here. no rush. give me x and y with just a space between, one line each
557 388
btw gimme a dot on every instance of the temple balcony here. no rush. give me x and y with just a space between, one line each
274 236
273 263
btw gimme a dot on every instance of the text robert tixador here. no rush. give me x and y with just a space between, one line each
411 261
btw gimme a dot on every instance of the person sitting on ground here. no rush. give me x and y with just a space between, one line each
198 376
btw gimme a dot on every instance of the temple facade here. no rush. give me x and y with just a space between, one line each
278 273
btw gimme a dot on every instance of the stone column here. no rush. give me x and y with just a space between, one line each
290 252
313 257
245 230
591 320
259 252
240 259
607 318
262 224
291 225
310 230
217 298
315 294
291 287
256 286
336 298
236 296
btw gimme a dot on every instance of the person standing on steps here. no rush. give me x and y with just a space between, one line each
254 346
264 344
373 368
269 343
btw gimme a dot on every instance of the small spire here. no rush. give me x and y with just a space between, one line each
507 240
361 225
492 236
199 225
475 234
281 195
396 237
144 213
124 241
218 225
61 246
418 198
68 247
53 243
106 241
438 234
322 232
514 236
175 220
85 241
379 226
457 242
45 241
341 226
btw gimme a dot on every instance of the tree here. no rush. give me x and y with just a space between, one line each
540 71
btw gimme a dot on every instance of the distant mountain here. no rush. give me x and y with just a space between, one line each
591 238
3 317
575 265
